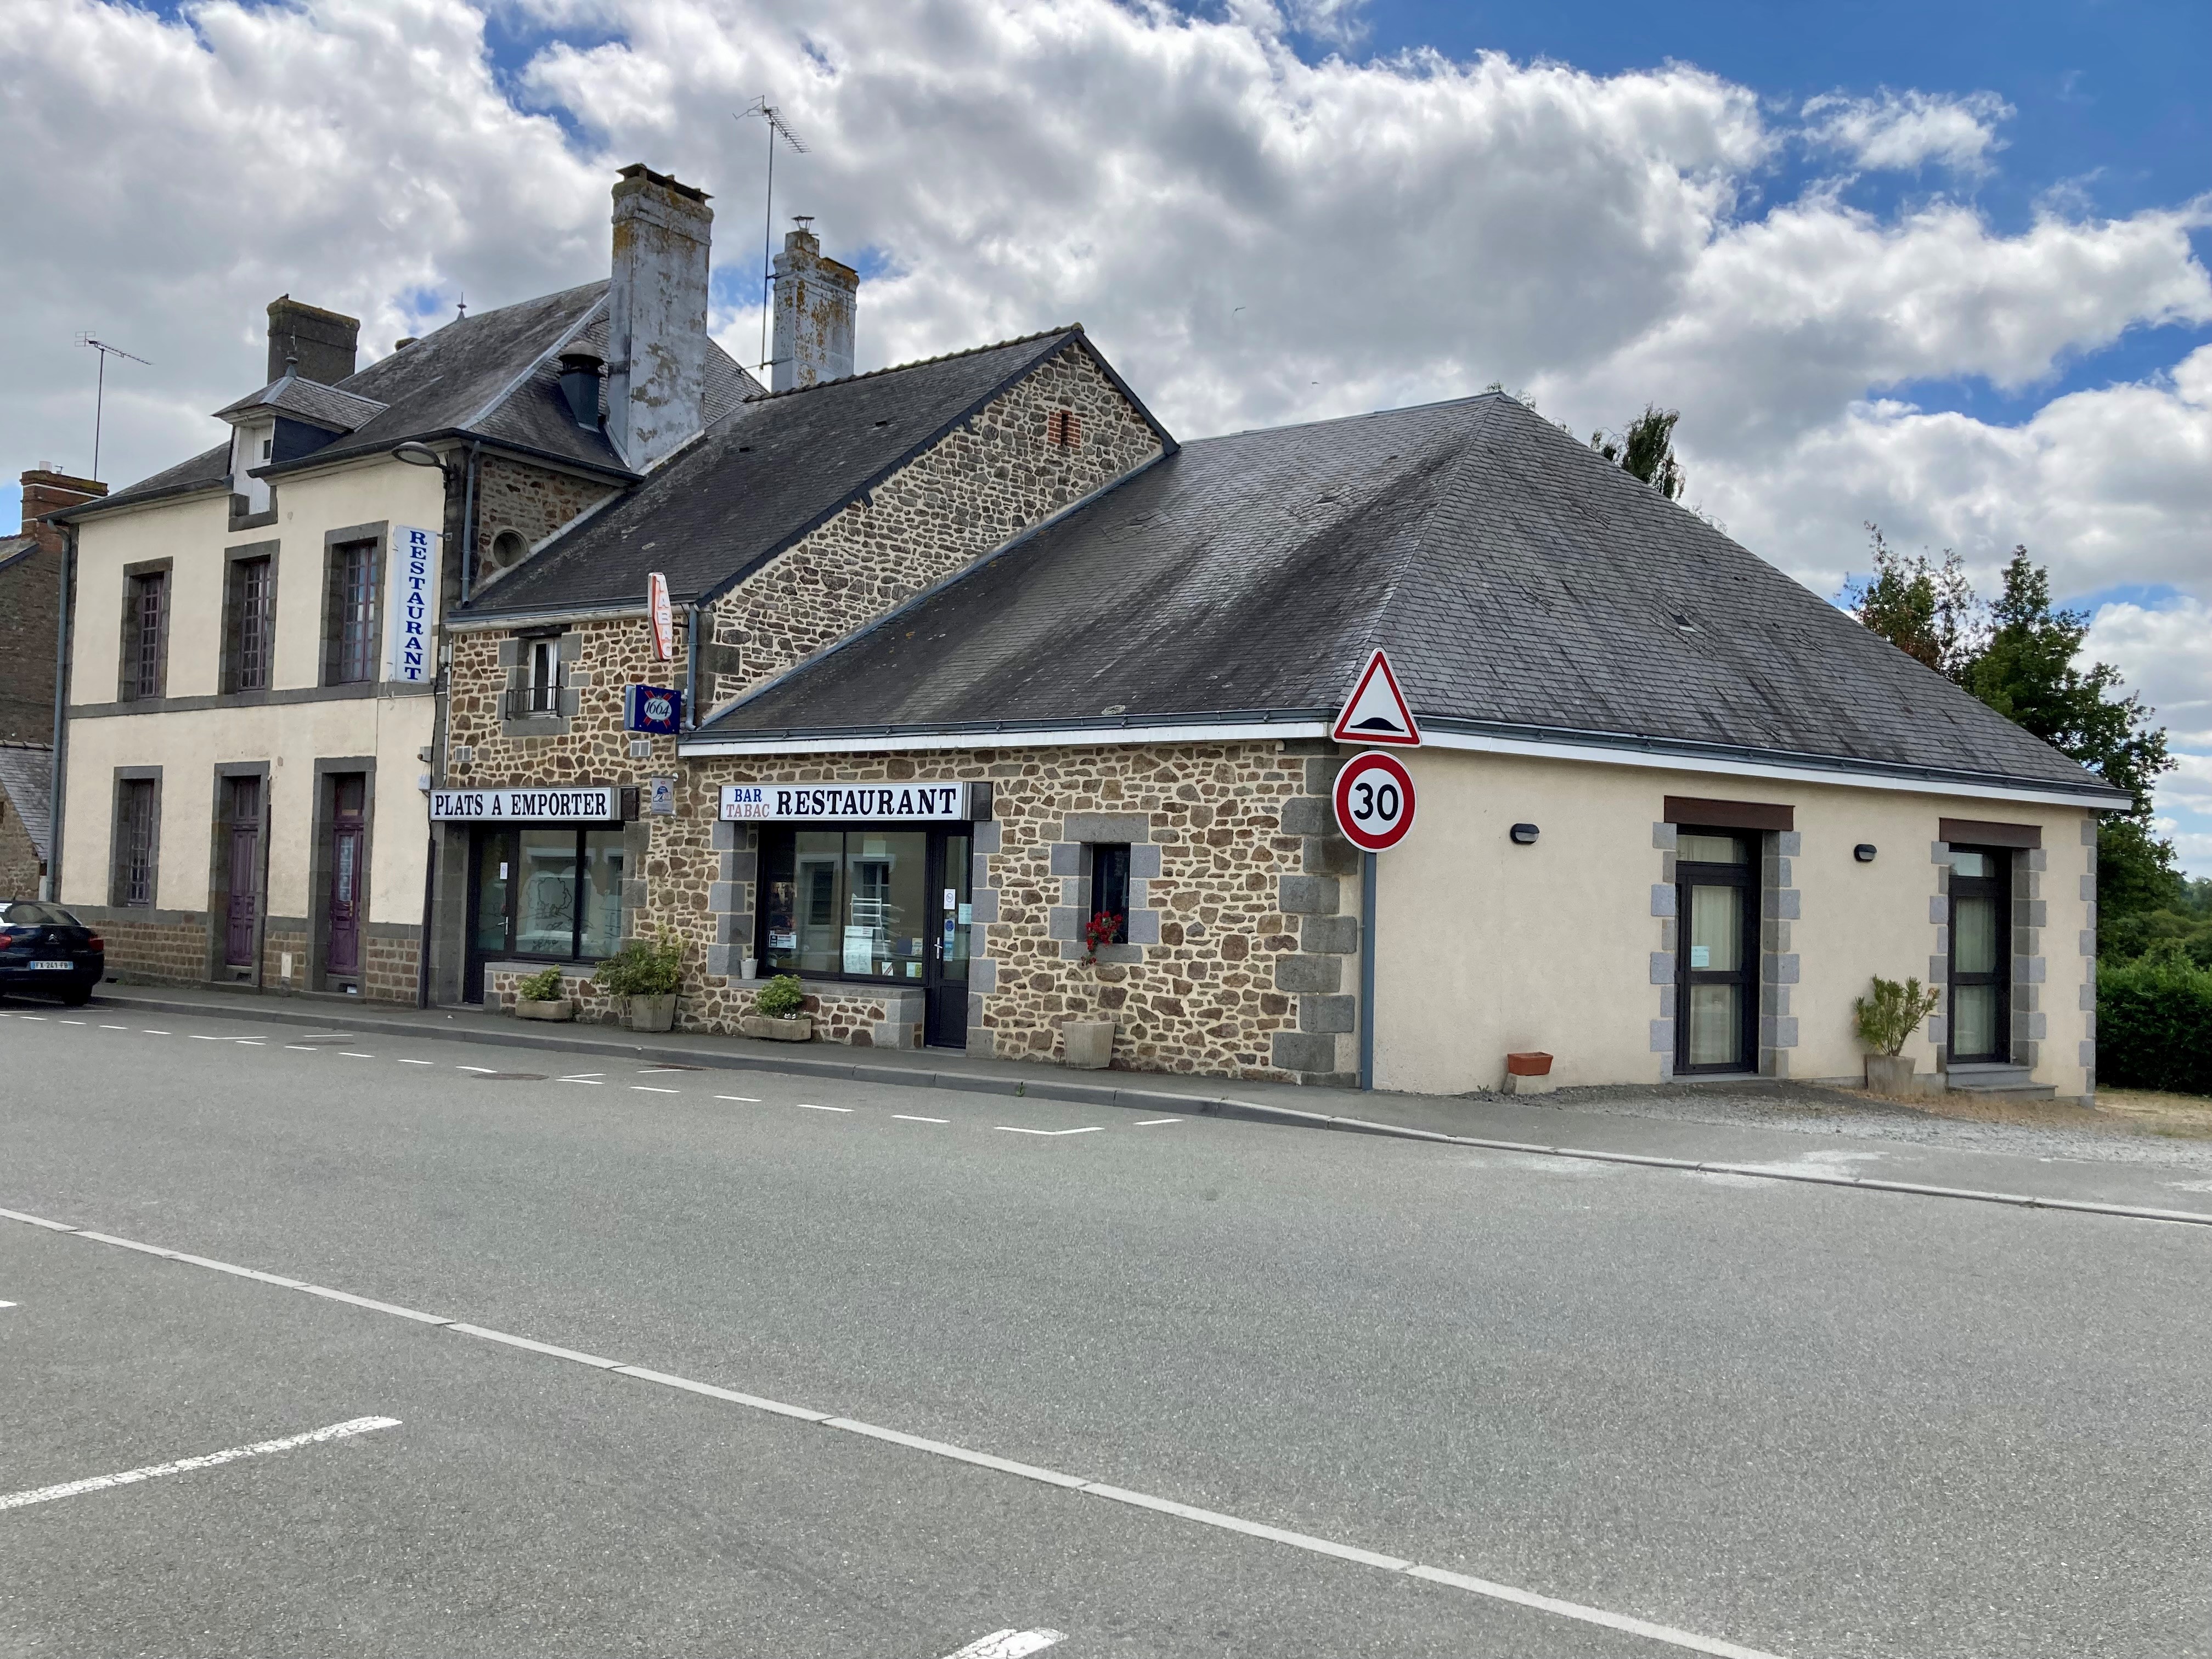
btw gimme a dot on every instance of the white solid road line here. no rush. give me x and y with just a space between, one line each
16 1500
1009 1644
905 1117
1168 1506
1092 1130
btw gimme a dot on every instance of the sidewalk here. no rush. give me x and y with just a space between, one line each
1777 1131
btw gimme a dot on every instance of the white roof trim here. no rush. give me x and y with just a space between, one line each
1078 738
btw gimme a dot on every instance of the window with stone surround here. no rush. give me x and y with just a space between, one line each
1109 887
350 638
137 831
145 635
250 624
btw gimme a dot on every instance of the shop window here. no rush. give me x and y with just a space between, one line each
553 892
1109 888
850 904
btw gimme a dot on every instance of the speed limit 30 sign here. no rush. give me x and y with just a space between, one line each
1374 801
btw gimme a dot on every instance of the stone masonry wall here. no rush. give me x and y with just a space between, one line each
20 863
533 501
983 484
162 947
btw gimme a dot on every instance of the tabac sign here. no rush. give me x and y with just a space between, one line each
874 803
591 804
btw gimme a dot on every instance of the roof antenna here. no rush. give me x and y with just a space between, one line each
461 304
777 128
100 392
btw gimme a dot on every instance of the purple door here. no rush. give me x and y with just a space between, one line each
244 871
341 942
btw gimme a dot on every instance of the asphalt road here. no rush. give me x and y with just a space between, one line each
1801 1421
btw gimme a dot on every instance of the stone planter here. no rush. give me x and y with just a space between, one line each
1891 1074
1090 1044
552 1008
770 1029
652 1014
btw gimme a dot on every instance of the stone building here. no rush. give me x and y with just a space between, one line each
30 604
254 671
959 696
26 818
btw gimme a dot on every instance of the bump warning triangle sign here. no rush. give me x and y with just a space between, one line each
1376 711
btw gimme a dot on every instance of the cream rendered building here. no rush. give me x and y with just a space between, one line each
256 636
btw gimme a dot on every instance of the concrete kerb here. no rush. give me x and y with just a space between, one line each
1147 1100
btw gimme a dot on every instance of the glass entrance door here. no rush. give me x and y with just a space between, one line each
1717 922
1981 952
492 879
946 1023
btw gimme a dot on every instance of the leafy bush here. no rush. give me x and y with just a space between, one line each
2155 1024
642 968
540 988
1893 1013
781 998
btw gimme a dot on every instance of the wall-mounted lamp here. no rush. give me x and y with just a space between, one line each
1524 835
1863 852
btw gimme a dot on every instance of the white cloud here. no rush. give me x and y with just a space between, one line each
1253 238
1904 131
2166 654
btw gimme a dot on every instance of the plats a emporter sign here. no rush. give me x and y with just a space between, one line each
590 804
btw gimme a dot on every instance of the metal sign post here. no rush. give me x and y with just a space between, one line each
1374 798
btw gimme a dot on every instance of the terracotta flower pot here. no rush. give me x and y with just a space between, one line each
1090 1044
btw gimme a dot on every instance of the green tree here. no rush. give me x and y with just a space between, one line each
1927 611
1646 451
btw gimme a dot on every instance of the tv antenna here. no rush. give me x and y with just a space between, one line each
777 128
100 392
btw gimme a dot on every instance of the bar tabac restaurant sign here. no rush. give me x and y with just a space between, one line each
874 803
592 804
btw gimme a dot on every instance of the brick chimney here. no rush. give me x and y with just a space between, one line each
657 316
815 300
30 606
45 491
324 342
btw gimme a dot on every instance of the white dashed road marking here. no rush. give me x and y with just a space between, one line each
804 1107
350 1053
1009 1644
303 1048
904 1117
648 1089
1483 1587
16 1500
750 1100
472 1068
418 1062
593 1081
1155 1122
1091 1129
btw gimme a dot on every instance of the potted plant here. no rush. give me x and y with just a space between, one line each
1885 1020
1089 1043
539 997
645 976
776 1013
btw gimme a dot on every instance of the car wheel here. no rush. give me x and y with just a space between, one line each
76 998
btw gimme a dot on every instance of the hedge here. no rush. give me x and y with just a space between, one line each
2155 1026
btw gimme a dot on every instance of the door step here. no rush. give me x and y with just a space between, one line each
1995 1079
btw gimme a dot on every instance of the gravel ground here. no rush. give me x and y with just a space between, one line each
2115 1132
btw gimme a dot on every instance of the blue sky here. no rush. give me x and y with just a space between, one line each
1936 265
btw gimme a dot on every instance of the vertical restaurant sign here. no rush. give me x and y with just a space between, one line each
663 616
411 584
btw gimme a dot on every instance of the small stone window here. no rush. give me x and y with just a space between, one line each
508 549
1063 428
1109 887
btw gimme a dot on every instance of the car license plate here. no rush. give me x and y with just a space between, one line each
63 966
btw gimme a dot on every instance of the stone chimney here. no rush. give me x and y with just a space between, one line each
324 342
657 316
30 606
815 300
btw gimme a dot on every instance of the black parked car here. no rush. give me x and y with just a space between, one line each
44 948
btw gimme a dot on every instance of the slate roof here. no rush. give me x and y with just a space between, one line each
1523 587
311 400
776 467
493 375
27 776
